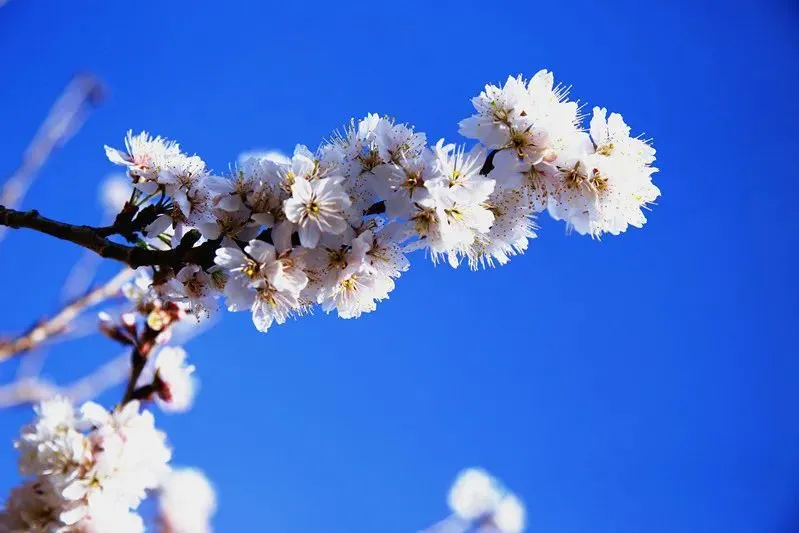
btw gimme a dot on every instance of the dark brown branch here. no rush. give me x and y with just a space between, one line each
96 240
138 360
142 349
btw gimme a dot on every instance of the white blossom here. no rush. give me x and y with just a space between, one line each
509 515
32 507
89 470
145 158
333 226
474 494
604 189
114 193
480 503
317 207
175 382
510 232
260 281
526 118
195 287
187 502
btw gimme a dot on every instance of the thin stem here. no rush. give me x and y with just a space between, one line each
138 359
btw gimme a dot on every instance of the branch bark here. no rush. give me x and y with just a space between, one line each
96 239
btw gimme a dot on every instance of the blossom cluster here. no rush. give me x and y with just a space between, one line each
332 227
481 503
89 469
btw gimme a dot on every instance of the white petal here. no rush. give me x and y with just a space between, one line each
309 235
261 251
117 157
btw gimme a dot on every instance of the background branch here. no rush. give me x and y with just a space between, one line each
31 390
58 323
69 112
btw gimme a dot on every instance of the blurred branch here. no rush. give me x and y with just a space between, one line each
67 115
35 389
58 323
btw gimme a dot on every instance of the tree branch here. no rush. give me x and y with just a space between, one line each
96 240
32 390
57 323
83 94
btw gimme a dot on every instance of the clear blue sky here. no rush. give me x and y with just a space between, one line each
642 384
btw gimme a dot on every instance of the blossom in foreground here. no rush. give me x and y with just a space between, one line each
186 502
89 469
317 208
261 282
145 157
174 382
333 227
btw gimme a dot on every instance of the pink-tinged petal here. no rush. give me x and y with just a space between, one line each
272 273
167 177
291 281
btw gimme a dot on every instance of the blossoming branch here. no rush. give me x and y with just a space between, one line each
330 227
333 226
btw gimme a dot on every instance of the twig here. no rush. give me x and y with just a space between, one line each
66 116
138 360
58 322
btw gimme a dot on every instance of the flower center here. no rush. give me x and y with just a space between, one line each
312 207
598 182
605 149
250 269
574 176
424 220
454 213
350 284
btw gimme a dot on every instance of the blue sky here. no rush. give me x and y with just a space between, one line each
645 383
